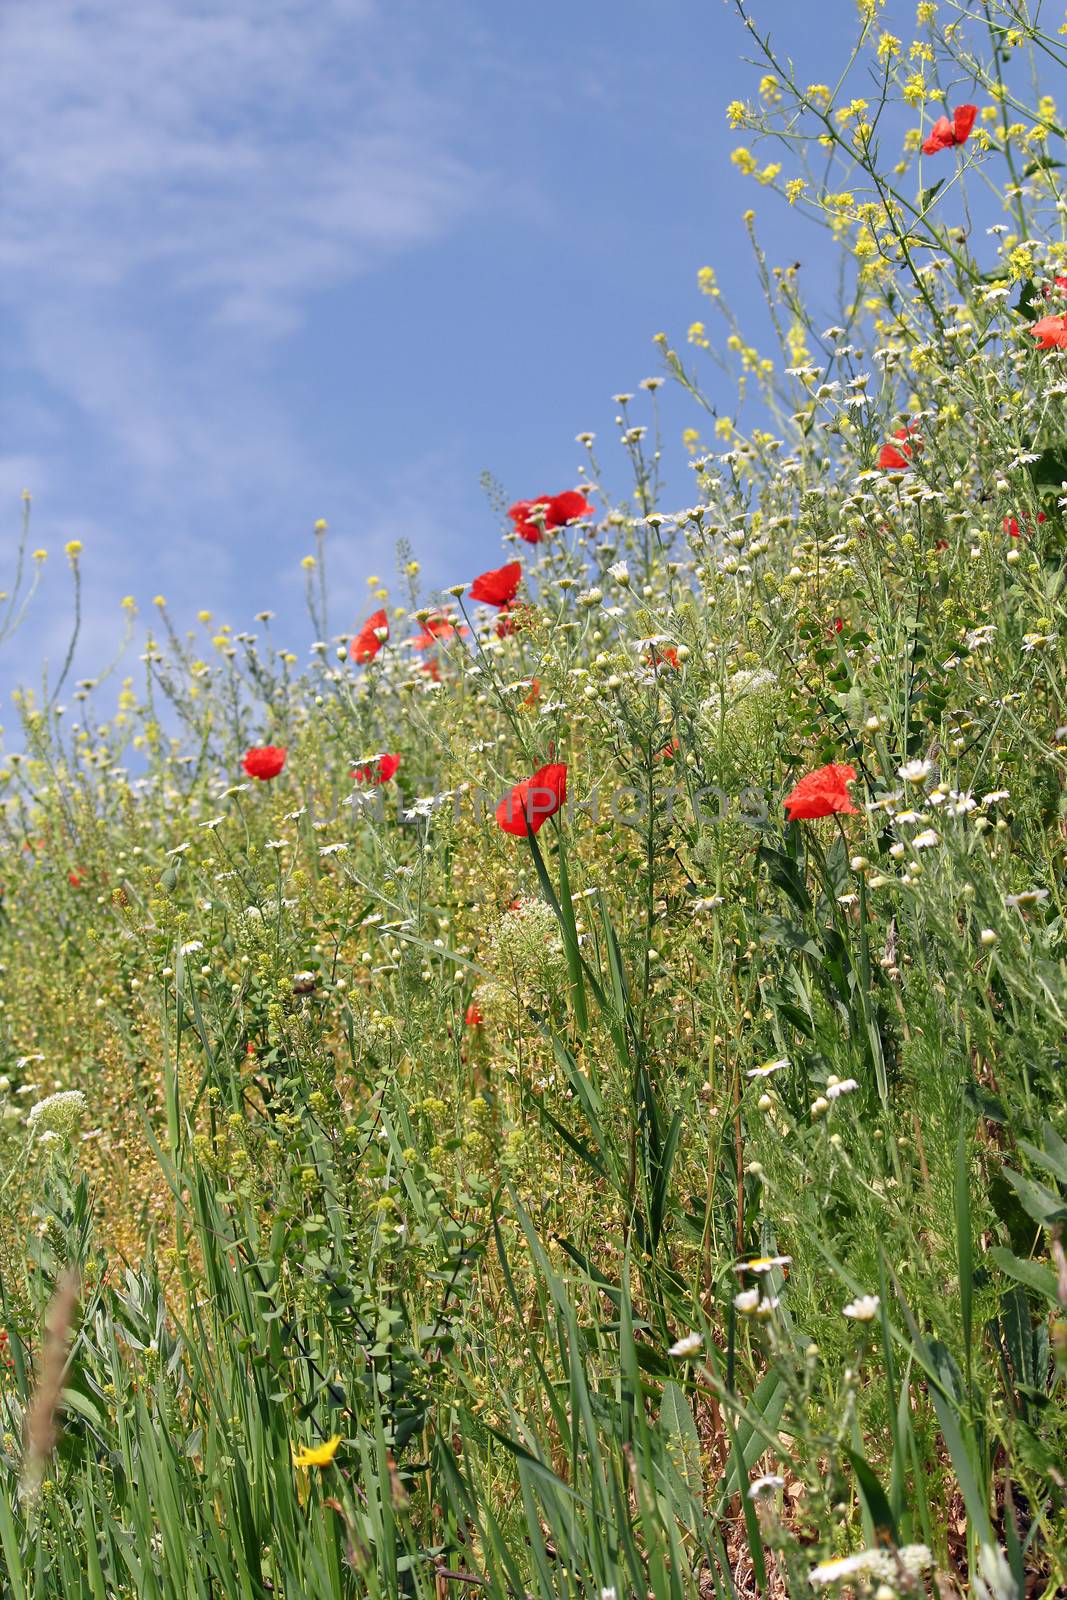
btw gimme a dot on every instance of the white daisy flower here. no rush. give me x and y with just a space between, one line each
768 1068
864 1308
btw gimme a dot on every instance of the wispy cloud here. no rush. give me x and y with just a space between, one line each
180 179
243 155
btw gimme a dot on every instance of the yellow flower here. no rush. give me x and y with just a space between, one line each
73 548
320 526
736 113
744 160
307 563
316 1455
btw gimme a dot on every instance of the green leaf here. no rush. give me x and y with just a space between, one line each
1031 1274
873 1495
677 1422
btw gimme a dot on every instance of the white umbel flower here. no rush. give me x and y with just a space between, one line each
58 1113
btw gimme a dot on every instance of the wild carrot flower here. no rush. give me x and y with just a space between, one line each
822 793
264 761
58 1113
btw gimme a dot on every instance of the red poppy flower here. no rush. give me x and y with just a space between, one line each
838 625
499 586
669 751
1011 525
534 694
894 458
1051 333
75 878
821 793
432 669
264 762
946 134
553 511
370 638
664 655
530 803
378 771
473 1018
435 628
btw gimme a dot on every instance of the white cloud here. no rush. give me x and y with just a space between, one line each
247 153
179 178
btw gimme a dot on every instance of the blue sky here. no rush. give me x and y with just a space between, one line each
266 261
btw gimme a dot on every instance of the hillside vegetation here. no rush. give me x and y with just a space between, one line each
560 1089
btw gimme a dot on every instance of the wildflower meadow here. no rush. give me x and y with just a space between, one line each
557 1085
